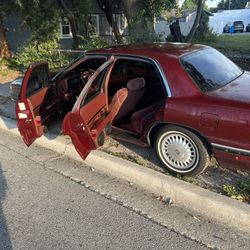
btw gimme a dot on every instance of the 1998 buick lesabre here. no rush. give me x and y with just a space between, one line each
187 101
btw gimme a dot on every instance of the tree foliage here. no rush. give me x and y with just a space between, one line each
41 17
5 9
189 5
140 15
76 11
235 4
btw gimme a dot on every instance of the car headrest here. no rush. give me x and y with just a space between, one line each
136 83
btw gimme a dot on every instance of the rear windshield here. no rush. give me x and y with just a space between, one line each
210 69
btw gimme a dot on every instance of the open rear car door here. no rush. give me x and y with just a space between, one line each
89 121
36 102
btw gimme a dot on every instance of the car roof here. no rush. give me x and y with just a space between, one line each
153 50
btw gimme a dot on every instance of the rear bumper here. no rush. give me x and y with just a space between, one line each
238 28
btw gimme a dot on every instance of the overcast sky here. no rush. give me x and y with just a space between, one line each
210 3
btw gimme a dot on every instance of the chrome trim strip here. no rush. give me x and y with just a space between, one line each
149 131
229 149
163 77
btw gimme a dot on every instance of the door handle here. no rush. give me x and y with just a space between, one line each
80 126
28 121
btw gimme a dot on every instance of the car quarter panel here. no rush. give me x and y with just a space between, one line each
217 123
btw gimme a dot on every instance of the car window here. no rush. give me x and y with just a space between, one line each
210 69
81 63
96 86
91 63
38 79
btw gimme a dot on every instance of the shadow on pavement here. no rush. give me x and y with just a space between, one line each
5 241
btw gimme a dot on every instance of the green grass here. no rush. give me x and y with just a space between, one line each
241 191
232 44
188 179
125 156
6 72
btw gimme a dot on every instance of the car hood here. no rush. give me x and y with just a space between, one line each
17 81
237 91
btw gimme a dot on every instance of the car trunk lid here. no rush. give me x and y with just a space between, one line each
236 91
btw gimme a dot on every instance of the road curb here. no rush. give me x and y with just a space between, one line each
205 202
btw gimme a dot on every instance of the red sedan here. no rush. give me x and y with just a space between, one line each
187 101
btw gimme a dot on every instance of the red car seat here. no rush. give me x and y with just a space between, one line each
126 99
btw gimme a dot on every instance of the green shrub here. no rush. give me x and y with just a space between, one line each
48 51
36 52
205 37
92 43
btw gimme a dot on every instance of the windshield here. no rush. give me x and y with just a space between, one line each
210 69
238 23
67 67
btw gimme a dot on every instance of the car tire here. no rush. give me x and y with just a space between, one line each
181 151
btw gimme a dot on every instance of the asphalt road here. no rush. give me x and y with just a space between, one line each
50 202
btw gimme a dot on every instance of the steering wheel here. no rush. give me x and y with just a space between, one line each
86 74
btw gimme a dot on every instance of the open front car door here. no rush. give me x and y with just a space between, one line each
89 121
36 102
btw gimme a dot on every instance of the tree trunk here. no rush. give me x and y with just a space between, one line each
106 7
116 31
4 43
200 6
176 31
138 26
131 9
74 31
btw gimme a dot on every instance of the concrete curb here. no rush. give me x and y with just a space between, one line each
205 202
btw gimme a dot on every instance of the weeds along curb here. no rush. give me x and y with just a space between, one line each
212 205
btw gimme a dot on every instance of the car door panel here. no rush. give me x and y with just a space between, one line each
85 135
87 122
28 125
96 116
34 90
38 99
93 107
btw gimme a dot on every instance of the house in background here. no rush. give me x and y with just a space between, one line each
186 22
98 26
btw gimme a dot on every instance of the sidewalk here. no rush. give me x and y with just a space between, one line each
7 107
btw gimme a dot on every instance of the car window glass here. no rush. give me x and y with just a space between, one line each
210 69
127 69
87 63
91 63
96 86
38 79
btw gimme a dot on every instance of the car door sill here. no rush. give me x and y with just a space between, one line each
127 136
